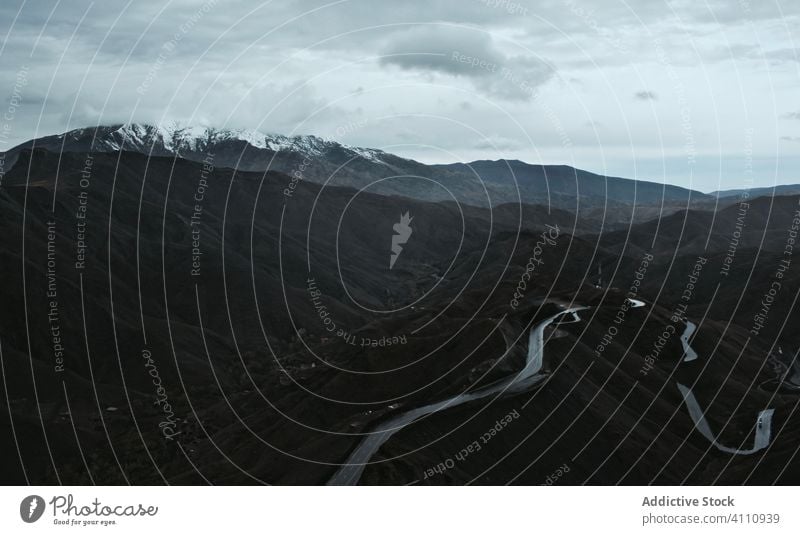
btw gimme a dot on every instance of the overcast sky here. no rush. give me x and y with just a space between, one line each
704 94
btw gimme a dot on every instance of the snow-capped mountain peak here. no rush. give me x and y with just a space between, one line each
174 138
242 149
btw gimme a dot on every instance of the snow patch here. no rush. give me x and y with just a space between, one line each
173 137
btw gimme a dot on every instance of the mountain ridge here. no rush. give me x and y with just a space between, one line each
480 183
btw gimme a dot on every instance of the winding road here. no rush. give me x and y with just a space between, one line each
690 353
350 472
763 427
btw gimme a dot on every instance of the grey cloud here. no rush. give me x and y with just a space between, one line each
740 11
519 78
758 53
781 55
470 54
611 13
645 95
345 25
447 50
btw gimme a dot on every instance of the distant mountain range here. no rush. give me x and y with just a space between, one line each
481 183
787 189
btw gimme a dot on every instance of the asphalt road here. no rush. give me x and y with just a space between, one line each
350 472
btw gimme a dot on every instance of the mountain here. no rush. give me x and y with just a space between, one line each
175 140
785 189
761 223
481 183
166 321
541 181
